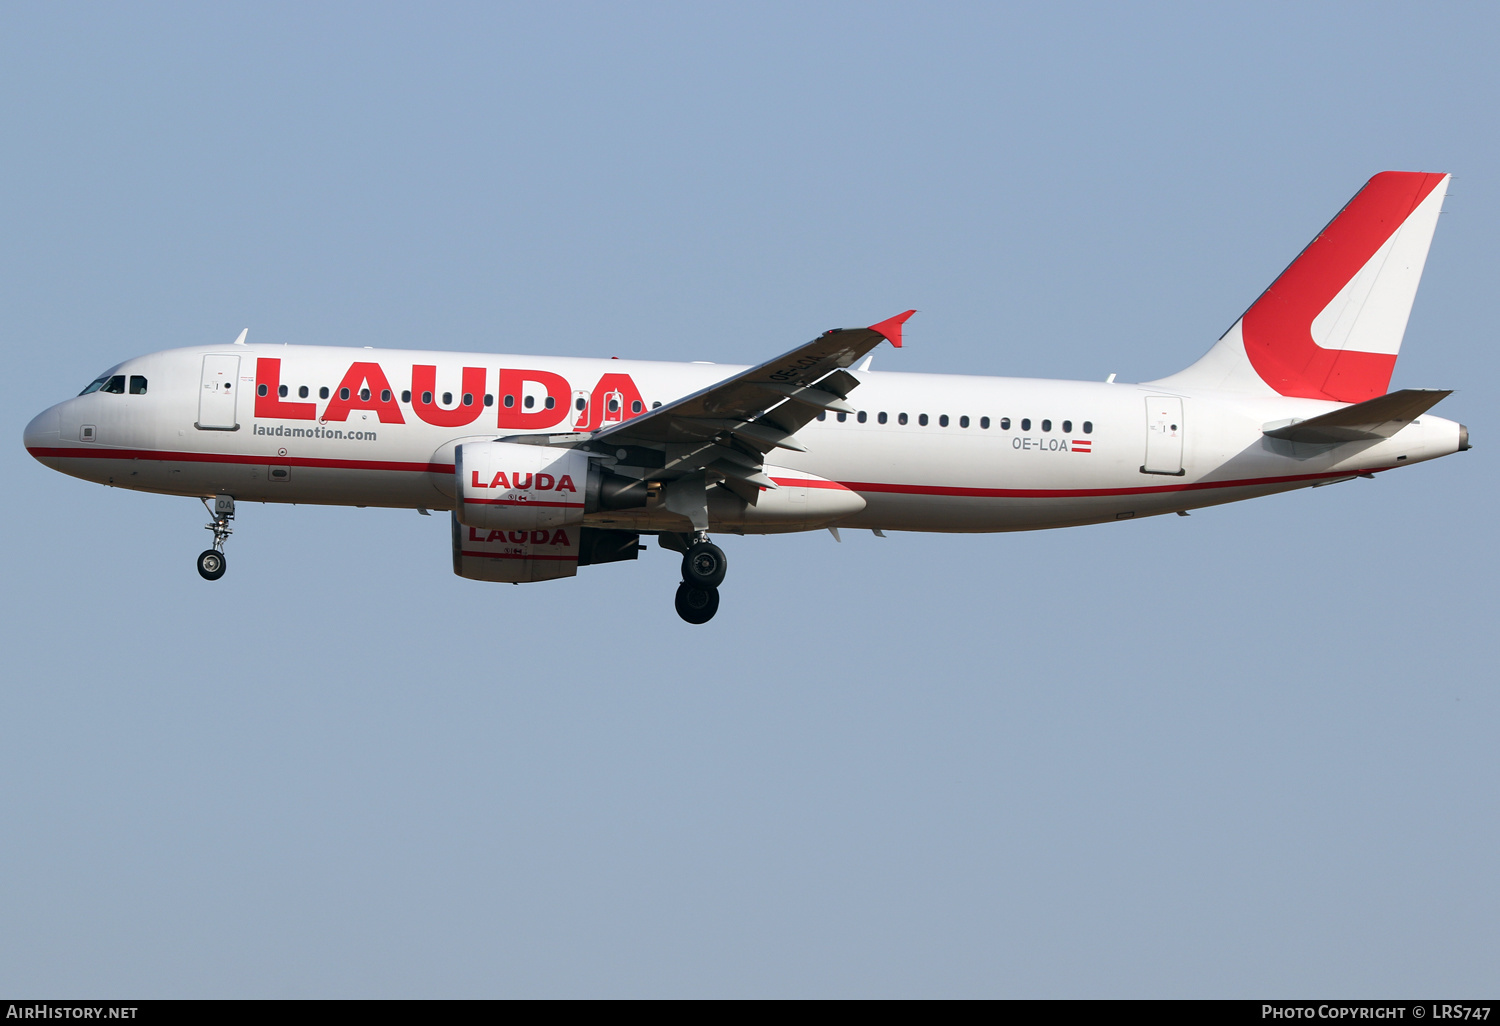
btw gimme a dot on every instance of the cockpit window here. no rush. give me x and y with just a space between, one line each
137 385
115 384
95 385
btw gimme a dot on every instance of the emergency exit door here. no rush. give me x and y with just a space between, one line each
217 397
1163 435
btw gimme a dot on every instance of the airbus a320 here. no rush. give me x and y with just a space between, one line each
547 464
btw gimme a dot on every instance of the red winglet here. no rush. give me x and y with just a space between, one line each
891 328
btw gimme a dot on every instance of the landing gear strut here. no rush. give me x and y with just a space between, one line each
211 562
703 568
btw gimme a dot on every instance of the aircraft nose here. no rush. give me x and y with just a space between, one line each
41 433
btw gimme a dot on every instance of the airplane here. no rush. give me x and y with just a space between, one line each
546 464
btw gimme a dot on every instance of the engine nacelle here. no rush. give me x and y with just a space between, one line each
509 487
515 556
519 515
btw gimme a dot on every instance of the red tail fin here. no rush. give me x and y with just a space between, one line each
1331 325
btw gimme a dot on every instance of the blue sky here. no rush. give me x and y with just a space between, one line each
1245 753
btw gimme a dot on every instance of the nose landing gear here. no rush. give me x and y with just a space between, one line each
211 562
703 569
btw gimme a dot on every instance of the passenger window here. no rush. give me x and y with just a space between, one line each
1088 427
655 406
943 420
843 417
984 422
510 401
405 395
364 395
137 385
426 398
1046 425
881 418
468 398
447 398
489 400
1025 423
900 418
302 393
1067 427
261 390
963 421
862 417
385 395
323 392
115 385
282 390
1004 423
922 419
581 404
528 401
344 394
551 403
822 414
635 406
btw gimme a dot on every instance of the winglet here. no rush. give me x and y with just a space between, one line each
241 340
891 329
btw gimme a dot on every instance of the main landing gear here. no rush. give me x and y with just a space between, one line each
703 568
211 562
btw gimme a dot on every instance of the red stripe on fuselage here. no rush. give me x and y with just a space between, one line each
809 482
948 491
41 452
1083 493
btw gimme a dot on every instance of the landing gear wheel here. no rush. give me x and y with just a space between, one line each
695 604
211 565
704 565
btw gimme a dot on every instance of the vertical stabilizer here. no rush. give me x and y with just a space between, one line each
1331 325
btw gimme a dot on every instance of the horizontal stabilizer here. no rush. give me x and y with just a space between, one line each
1372 419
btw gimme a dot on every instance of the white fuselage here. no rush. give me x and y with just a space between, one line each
1053 453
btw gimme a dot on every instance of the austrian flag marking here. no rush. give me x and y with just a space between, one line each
1082 445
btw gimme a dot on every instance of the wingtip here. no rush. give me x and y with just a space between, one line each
891 327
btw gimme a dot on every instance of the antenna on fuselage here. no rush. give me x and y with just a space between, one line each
241 340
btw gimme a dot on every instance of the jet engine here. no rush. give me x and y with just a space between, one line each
520 510
511 487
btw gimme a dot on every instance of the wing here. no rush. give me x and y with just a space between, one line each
728 427
780 394
723 433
